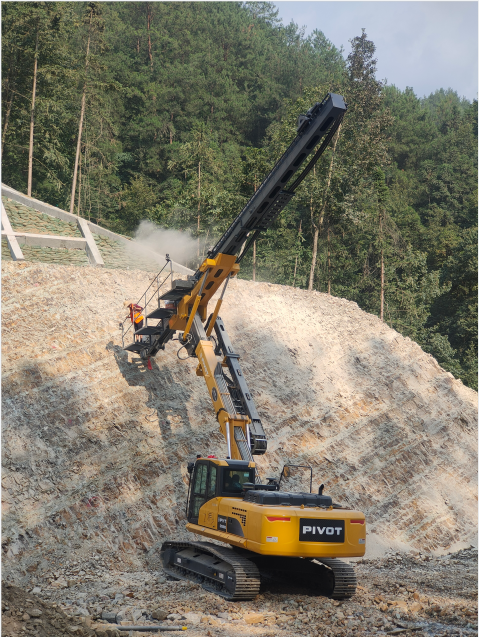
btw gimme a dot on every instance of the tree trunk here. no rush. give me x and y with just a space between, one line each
296 260
5 126
32 119
313 260
9 88
199 205
79 186
329 263
87 181
150 56
80 126
381 314
254 242
381 311
321 213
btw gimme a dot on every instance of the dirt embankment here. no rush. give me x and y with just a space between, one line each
95 445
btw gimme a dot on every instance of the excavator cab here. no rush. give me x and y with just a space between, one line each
212 478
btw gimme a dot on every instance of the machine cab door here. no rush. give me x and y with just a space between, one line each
203 487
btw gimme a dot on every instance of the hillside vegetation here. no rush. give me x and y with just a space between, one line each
183 108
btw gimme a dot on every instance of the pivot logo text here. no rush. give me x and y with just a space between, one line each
321 530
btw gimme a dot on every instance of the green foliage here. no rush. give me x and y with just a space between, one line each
433 200
54 24
189 105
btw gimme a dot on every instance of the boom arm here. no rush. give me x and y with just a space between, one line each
232 401
234 407
321 121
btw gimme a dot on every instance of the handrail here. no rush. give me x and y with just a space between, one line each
156 277
143 296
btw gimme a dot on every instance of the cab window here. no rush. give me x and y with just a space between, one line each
212 483
199 489
203 488
200 482
233 480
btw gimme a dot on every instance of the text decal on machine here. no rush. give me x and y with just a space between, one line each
221 523
321 530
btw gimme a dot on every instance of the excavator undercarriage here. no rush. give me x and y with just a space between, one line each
236 574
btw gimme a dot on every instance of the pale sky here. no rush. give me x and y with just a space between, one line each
426 45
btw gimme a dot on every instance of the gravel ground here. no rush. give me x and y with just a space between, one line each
399 594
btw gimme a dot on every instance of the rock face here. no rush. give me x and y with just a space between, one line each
95 445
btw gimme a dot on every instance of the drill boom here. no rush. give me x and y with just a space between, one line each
321 121
232 401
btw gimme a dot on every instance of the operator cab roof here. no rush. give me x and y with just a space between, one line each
238 464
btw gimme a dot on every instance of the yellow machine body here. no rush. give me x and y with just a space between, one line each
215 272
226 501
251 522
272 530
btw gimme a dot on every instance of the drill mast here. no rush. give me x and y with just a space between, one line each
187 301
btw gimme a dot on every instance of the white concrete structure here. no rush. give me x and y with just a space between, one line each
17 254
86 228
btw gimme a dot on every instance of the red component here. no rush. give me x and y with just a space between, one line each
211 456
278 519
134 308
148 364
357 521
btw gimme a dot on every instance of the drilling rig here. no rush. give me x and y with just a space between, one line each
263 529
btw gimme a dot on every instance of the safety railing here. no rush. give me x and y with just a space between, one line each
143 297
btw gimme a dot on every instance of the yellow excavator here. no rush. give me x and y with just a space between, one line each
287 534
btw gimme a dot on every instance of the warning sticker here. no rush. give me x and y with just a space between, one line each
270 538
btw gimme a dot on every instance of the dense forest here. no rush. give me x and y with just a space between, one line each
174 112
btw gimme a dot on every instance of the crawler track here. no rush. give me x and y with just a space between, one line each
235 574
344 578
218 569
322 576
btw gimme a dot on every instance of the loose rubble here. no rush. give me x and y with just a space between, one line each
437 597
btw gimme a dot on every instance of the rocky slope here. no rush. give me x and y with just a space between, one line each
95 445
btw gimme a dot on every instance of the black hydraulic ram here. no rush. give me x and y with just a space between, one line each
320 123
238 389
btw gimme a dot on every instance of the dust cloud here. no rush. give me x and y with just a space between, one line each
180 245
